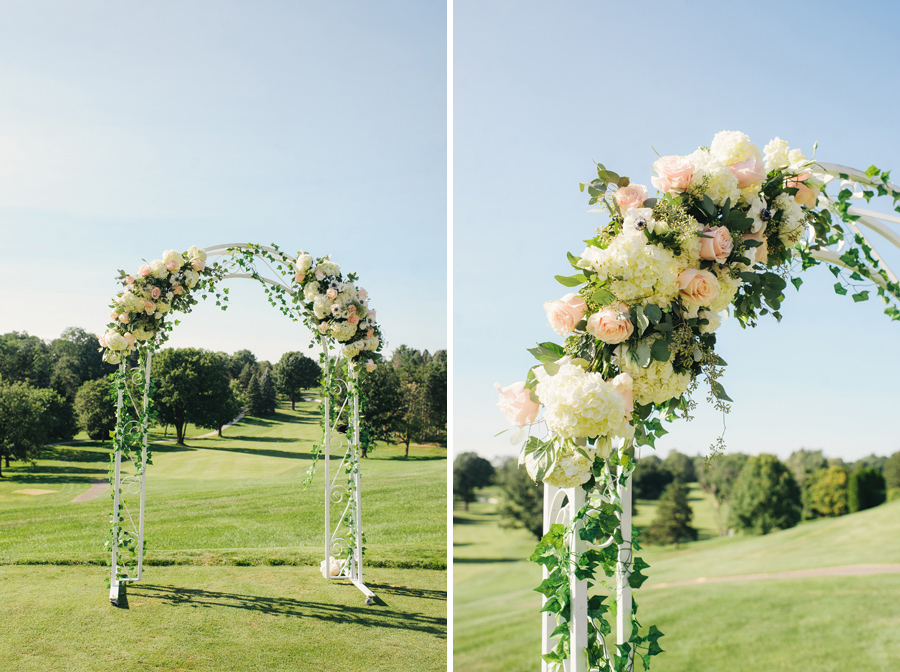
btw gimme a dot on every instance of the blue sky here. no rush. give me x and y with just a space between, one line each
131 128
541 90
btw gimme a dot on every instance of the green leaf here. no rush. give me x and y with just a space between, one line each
547 352
640 320
603 297
861 296
708 206
796 282
719 391
572 259
552 368
653 313
660 350
642 355
839 289
571 280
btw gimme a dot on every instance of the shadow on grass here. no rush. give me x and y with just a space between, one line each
61 454
423 593
411 458
285 606
473 521
485 561
270 453
48 479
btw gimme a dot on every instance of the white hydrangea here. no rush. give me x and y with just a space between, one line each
776 154
191 277
172 255
715 321
158 269
657 383
793 220
730 147
351 350
196 253
130 302
114 340
728 288
328 268
321 306
303 263
311 290
720 183
142 333
637 270
580 404
569 469
343 331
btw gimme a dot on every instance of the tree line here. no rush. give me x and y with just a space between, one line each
761 493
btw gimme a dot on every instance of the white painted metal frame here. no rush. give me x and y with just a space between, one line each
352 567
556 512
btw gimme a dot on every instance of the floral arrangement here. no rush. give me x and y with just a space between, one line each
139 311
730 226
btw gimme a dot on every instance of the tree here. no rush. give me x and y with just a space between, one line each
256 404
95 410
804 462
865 489
717 477
766 496
681 466
25 359
238 362
294 373
58 416
383 406
436 391
76 360
267 388
190 386
872 461
892 472
414 408
23 430
826 493
470 471
672 524
650 478
522 501
230 405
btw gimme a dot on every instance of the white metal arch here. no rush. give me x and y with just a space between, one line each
335 493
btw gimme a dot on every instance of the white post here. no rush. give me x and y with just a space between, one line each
327 402
144 430
623 572
356 476
117 484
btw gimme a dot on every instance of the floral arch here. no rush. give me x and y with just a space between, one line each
307 289
732 225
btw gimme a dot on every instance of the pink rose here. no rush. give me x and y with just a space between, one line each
624 385
144 270
760 254
632 196
697 287
149 307
198 264
173 265
351 309
123 318
102 341
565 313
716 244
177 290
155 292
805 195
674 173
611 324
129 339
748 172
322 327
370 366
516 404
362 294
331 293
299 277
353 319
129 279
370 333
114 315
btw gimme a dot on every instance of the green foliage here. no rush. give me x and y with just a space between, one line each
23 430
96 415
672 524
384 402
25 359
825 494
891 472
650 478
294 373
803 463
256 404
866 489
766 496
76 361
470 471
267 392
681 466
522 500
717 477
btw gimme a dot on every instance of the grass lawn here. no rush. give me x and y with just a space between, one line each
815 623
231 576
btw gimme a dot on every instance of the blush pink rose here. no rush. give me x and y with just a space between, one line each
624 385
748 172
370 333
758 255
351 309
362 294
102 341
149 307
331 293
322 327
129 339
123 318
370 366
353 319
516 404
144 270
114 315
805 195
173 265
565 313
611 324
716 244
129 279
299 277
697 287
674 173
198 264
632 196
155 292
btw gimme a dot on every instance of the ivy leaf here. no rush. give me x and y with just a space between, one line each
660 350
571 280
839 289
861 296
796 282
